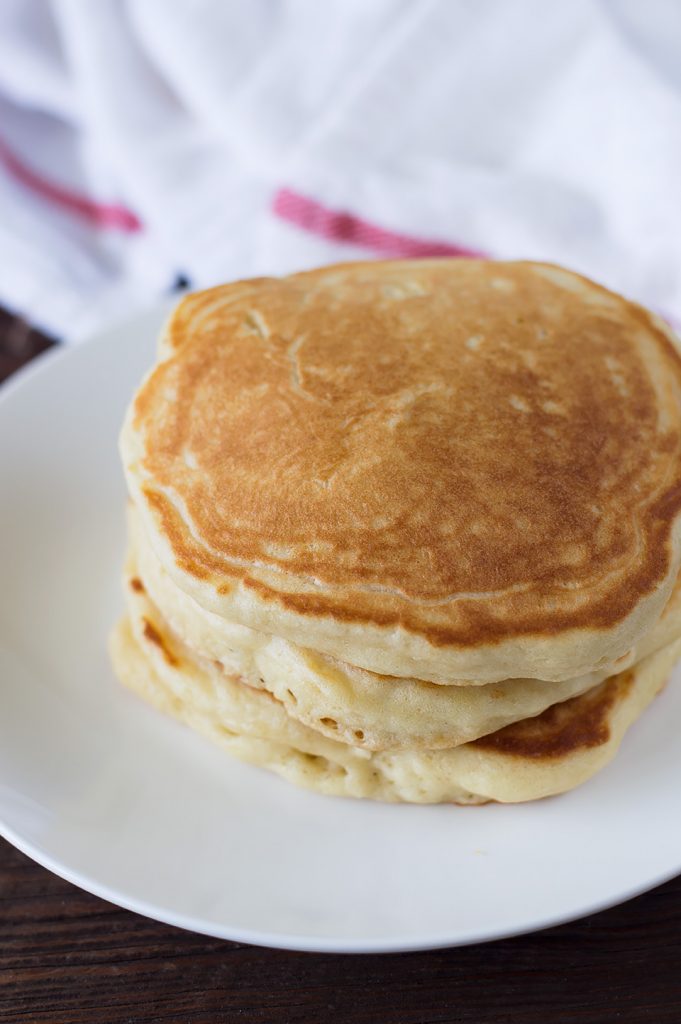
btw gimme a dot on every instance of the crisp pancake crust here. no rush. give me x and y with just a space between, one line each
581 722
449 469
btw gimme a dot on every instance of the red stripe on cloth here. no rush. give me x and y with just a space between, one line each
103 215
342 226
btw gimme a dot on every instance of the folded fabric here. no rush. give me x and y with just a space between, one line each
146 142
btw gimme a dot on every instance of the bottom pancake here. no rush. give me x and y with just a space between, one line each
537 757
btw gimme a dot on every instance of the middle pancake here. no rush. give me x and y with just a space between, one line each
353 705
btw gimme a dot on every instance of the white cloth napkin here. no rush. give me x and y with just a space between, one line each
211 139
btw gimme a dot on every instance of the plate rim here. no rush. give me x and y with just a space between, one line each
316 944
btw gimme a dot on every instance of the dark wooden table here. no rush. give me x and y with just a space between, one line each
68 957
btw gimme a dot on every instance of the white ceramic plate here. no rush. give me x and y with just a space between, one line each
133 807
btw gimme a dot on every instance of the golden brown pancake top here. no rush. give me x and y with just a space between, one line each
470 450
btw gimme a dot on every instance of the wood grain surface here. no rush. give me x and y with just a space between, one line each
70 958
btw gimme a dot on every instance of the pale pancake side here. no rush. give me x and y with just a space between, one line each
441 469
350 704
549 754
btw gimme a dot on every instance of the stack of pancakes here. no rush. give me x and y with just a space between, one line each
407 530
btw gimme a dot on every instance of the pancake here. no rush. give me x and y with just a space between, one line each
350 704
443 470
548 754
